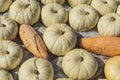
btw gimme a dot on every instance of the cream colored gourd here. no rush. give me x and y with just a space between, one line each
64 79
53 1
53 13
10 54
74 3
5 75
59 39
112 68
36 69
25 11
4 5
83 17
118 9
8 28
104 6
79 64
109 25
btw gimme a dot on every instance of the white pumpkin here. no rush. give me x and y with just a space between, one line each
74 3
4 5
64 79
8 28
25 11
118 9
5 75
83 17
109 25
53 13
36 69
52 1
104 6
59 39
10 54
79 64
112 68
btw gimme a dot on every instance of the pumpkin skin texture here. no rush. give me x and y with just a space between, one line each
74 3
53 13
109 25
64 79
79 64
10 54
8 28
36 69
25 11
104 6
5 75
53 1
112 68
59 39
83 17
4 5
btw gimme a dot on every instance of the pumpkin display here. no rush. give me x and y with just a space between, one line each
10 54
4 5
104 6
53 13
64 79
8 28
36 69
33 41
25 11
74 3
83 17
112 68
59 39
79 64
109 25
52 1
5 75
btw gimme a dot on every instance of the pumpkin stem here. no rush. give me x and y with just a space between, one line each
86 13
3 25
54 11
26 5
105 2
81 58
62 32
112 18
36 72
8 52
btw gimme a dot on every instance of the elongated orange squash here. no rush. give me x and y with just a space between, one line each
32 41
108 46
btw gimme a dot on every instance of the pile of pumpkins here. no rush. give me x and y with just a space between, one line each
59 37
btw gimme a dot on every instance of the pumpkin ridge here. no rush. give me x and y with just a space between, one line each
35 60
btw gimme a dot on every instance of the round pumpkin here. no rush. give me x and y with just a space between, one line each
112 68
4 5
104 6
109 25
5 75
10 54
74 3
25 11
83 17
36 69
79 64
53 1
53 13
8 28
59 39
64 79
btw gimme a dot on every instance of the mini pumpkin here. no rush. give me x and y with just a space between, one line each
53 13
5 75
79 64
59 39
74 3
8 28
25 11
36 69
10 54
64 79
83 17
104 6
52 1
109 25
4 5
112 68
